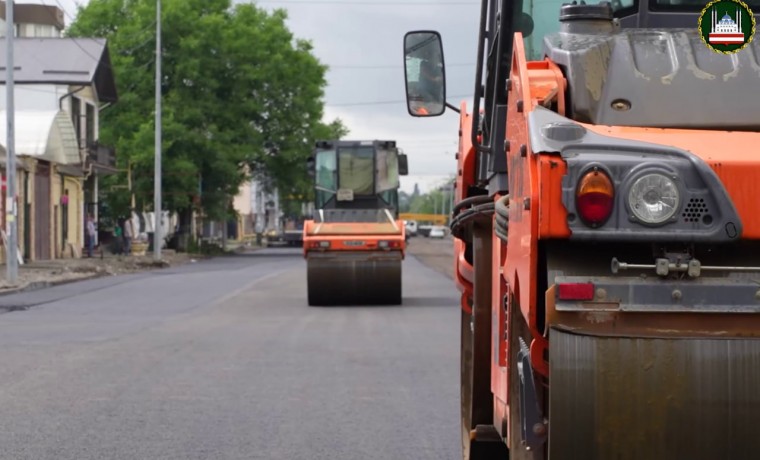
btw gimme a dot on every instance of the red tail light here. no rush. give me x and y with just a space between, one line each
576 291
595 197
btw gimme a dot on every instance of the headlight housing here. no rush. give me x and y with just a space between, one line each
654 198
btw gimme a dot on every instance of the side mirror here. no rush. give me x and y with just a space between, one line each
403 165
424 73
311 166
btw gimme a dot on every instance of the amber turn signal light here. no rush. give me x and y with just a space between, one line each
595 197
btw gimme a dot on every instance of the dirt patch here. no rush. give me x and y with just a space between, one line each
437 254
50 272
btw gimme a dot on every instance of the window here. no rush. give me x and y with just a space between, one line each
693 6
357 169
44 31
90 123
387 170
545 15
326 167
76 118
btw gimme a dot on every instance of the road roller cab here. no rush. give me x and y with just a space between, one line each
354 246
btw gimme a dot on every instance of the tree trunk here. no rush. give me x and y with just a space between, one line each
181 240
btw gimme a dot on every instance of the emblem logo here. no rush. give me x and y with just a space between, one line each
726 26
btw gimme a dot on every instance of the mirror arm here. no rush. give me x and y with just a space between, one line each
452 107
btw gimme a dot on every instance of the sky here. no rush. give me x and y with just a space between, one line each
361 42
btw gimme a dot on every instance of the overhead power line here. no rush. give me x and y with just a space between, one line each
401 101
370 67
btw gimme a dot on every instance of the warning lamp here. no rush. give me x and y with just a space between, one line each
389 244
594 197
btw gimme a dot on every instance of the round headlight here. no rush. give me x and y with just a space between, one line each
654 198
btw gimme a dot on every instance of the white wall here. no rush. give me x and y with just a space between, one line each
2 28
32 30
37 30
47 97
242 202
35 97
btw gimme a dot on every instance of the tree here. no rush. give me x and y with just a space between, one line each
237 89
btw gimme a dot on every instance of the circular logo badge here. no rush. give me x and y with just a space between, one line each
726 26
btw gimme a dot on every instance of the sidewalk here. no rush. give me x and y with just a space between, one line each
41 274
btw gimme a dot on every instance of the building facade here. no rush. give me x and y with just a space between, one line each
61 85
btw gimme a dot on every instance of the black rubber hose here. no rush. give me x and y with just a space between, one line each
500 234
501 208
462 218
473 200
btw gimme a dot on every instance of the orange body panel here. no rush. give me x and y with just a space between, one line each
732 155
524 188
736 167
354 236
463 270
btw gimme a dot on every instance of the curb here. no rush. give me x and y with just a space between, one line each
144 266
38 285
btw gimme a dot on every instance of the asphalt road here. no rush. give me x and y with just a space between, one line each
223 359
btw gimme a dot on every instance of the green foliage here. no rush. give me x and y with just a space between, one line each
237 89
436 201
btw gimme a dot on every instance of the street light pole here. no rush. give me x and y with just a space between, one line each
157 173
11 250
445 199
451 198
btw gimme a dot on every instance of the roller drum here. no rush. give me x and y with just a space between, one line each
354 278
644 398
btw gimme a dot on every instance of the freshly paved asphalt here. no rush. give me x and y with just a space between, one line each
223 359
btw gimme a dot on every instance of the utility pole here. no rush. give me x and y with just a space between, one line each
157 238
11 250
445 205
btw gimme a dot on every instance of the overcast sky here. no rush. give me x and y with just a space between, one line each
361 42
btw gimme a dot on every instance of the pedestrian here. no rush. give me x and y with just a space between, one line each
90 235
118 239
129 233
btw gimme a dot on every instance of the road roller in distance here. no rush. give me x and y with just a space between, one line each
354 245
607 228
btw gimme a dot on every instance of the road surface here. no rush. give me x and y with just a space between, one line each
223 359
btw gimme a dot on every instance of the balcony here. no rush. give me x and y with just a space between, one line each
100 156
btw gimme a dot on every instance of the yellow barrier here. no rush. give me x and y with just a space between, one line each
437 219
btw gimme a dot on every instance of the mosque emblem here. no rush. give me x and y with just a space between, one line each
726 26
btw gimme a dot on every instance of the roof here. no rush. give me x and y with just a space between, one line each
25 13
73 171
47 135
67 61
